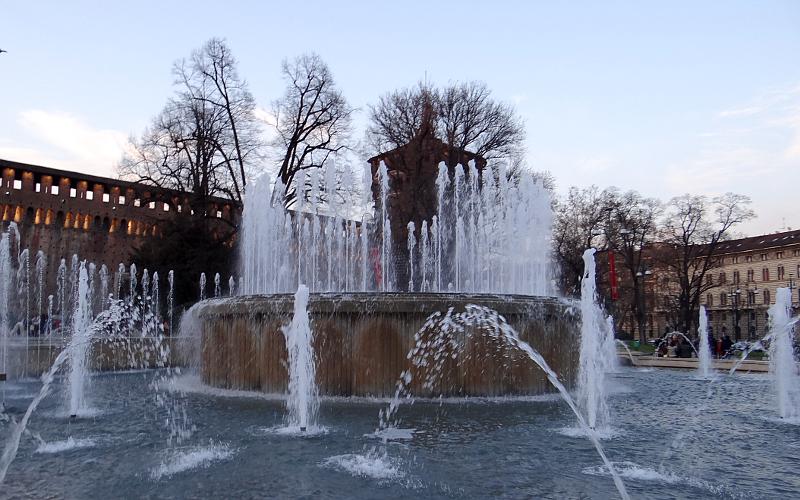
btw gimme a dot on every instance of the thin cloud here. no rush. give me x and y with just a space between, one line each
65 141
747 111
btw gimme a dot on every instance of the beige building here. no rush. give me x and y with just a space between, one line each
744 286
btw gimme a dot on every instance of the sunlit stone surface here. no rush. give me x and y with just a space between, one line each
361 341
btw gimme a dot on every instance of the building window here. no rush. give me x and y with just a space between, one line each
722 278
723 299
736 259
763 256
778 255
709 280
767 299
796 252
781 273
710 300
54 190
751 297
749 258
736 277
89 195
765 274
751 275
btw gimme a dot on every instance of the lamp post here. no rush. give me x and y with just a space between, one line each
643 275
751 303
625 234
734 295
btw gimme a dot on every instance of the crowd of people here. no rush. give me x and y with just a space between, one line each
676 345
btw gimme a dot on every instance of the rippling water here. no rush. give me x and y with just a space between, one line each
674 437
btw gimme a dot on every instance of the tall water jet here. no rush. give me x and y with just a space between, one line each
24 295
442 182
5 285
386 232
704 352
41 266
781 357
103 287
591 372
80 344
132 285
303 400
412 243
610 346
170 298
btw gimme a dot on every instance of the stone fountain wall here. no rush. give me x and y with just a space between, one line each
35 357
361 343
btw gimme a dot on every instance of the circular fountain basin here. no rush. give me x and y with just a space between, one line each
362 341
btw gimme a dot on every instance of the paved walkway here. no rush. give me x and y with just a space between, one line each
647 361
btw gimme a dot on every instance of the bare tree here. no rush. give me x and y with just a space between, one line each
206 138
471 120
630 229
312 120
216 65
693 228
463 115
579 223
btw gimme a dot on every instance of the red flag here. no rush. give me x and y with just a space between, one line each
612 275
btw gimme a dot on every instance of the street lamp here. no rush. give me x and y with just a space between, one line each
751 303
642 275
734 295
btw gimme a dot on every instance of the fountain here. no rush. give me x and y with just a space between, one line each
594 343
449 315
704 367
363 315
79 345
782 364
303 401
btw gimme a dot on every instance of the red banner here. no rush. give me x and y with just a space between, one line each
612 275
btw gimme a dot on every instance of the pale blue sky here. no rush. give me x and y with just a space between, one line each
662 97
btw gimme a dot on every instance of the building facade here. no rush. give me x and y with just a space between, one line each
102 220
745 283
739 289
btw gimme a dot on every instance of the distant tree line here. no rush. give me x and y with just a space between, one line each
675 240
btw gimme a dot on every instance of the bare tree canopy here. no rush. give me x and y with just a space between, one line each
463 115
312 119
693 228
579 223
207 138
631 228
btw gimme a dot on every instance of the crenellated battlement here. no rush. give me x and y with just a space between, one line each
64 213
